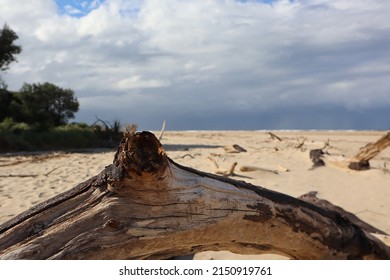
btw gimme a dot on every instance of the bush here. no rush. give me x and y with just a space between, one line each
9 125
19 136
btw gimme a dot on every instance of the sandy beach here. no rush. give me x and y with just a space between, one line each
285 166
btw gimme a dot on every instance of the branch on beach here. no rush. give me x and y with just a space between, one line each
274 136
185 155
301 144
146 206
326 144
247 168
233 149
162 131
361 160
221 171
316 157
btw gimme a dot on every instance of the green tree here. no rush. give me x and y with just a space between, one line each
8 49
6 99
44 105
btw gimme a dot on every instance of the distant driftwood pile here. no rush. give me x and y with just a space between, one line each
146 206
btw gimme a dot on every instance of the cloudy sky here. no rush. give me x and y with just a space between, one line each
211 64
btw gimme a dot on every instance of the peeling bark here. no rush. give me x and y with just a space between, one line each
146 206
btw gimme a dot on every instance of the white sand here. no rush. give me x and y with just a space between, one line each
364 193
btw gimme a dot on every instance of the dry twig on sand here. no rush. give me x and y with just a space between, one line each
274 136
326 144
247 168
301 144
234 149
221 171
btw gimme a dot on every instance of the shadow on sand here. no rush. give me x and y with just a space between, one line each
183 147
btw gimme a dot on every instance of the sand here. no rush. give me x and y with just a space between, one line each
26 180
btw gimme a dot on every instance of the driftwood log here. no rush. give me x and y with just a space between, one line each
361 160
312 198
145 206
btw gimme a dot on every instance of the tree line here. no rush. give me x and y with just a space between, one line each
37 106
40 106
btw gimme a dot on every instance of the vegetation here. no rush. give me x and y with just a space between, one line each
37 116
19 136
7 47
43 106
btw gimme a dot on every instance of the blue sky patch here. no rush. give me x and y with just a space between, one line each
76 8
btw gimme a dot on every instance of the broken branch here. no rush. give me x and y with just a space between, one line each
274 136
361 160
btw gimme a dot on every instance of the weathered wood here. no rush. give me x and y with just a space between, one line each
359 165
162 131
146 206
248 168
312 198
361 160
316 157
221 171
274 136
234 149
301 144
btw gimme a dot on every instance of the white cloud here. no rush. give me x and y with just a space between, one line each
72 10
137 82
234 56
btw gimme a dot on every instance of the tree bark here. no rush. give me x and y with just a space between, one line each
145 206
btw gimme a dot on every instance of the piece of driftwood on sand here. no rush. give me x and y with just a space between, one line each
361 160
248 168
222 171
234 149
146 206
274 136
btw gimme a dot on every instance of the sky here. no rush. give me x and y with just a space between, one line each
210 64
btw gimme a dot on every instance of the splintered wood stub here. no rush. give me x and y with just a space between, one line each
141 153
